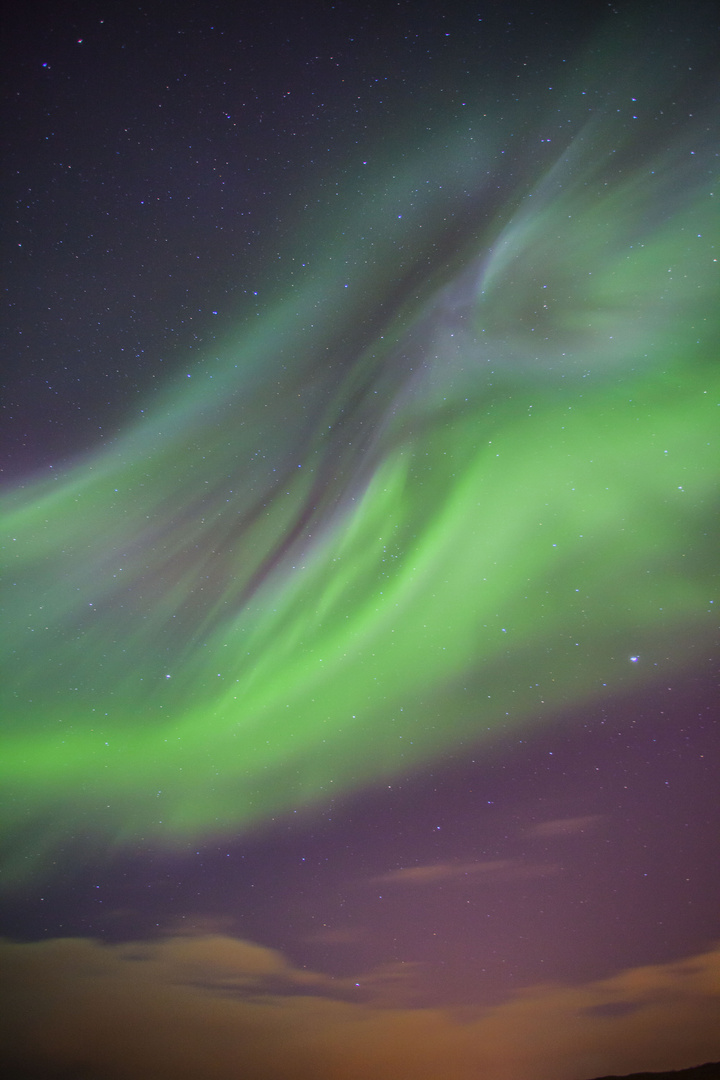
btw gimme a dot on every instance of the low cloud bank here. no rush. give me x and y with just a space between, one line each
218 1007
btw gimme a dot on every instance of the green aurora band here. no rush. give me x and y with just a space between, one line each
386 518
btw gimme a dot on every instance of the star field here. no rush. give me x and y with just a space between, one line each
359 512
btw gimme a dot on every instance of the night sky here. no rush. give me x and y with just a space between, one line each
359 450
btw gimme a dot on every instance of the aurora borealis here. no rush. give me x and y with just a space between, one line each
440 492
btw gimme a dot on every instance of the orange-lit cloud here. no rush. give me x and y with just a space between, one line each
221 1008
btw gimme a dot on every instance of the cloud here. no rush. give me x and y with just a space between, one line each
171 1009
491 870
199 925
337 936
574 826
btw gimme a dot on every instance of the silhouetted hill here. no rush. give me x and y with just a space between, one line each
709 1071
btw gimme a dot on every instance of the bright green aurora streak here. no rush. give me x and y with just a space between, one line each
370 530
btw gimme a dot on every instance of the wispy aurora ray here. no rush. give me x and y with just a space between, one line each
446 485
